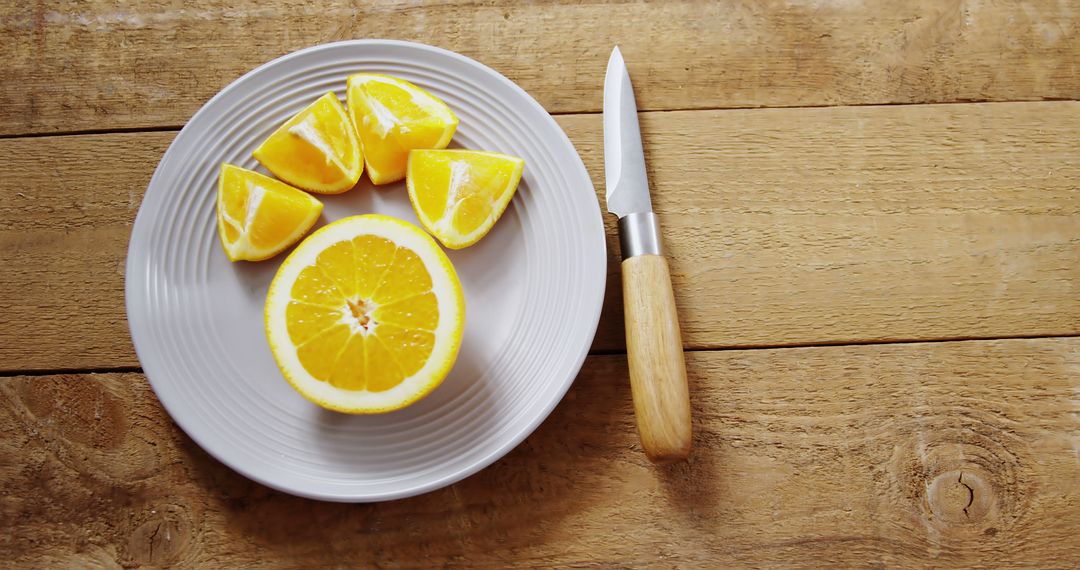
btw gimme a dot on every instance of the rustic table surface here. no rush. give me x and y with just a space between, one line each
872 210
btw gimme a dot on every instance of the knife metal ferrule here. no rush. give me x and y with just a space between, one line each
639 234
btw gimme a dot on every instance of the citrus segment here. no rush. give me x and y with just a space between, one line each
316 150
319 354
258 216
315 288
374 254
307 320
458 195
366 315
382 371
338 264
406 277
409 347
420 312
392 117
348 373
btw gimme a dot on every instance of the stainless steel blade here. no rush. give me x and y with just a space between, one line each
624 159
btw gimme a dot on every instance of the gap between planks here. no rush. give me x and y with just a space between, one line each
606 352
175 128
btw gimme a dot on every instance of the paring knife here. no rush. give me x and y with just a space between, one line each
653 341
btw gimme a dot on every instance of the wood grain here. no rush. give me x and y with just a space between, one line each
783 227
807 226
919 455
73 65
655 360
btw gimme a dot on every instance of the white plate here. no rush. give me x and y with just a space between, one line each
533 289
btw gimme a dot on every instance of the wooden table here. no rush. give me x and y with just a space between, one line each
873 215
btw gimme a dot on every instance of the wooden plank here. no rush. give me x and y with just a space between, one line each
785 226
64 226
73 65
940 454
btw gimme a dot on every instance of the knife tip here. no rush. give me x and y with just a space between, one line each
615 63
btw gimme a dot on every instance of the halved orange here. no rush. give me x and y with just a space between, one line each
365 315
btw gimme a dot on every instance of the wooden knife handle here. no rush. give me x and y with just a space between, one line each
657 367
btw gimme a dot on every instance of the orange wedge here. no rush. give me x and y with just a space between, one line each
258 216
316 150
458 195
392 117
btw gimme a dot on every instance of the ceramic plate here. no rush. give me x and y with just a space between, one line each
533 288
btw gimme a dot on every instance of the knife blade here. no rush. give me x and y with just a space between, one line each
653 340
624 159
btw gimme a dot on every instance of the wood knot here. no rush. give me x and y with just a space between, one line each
81 411
163 538
961 480
959 497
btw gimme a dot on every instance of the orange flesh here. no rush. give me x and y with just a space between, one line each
363 315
